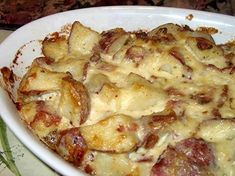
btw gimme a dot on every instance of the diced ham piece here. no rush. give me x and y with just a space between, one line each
190 157
197 150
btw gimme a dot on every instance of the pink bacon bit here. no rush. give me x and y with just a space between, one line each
174 92
150 141
203 98
8 75
141 35
216 114
164 118
232 70
85 71
53 37
89 170
164 38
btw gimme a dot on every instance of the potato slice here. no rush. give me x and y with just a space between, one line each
109 92
217 130
166 33
141 97
72 65
74 102
28 111
55 49
39 116
38 80
82 39
205 51
113 134
113 40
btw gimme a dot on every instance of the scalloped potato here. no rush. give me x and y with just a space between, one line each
134 103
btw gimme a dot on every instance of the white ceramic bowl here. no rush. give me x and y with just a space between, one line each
103 18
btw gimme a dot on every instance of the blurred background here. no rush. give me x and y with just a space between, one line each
15 13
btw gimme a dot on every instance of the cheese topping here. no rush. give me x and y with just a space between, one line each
135 103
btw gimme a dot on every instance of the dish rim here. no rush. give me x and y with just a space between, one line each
36 146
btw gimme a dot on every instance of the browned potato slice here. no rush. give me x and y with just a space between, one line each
38 80
82 39
55 49
205 51
114 134
167 33
74 102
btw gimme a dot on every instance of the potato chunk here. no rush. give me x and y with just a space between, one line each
217 130
74 103
72 65
113 134
141 95
39 116
55 49
206 51
82 39
38 80
113 40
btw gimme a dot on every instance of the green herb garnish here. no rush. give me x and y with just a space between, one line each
8 160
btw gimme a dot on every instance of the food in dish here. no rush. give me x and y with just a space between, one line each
134 103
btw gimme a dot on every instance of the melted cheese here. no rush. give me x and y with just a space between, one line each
217 130
117 78
118 164
225 157
111 134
